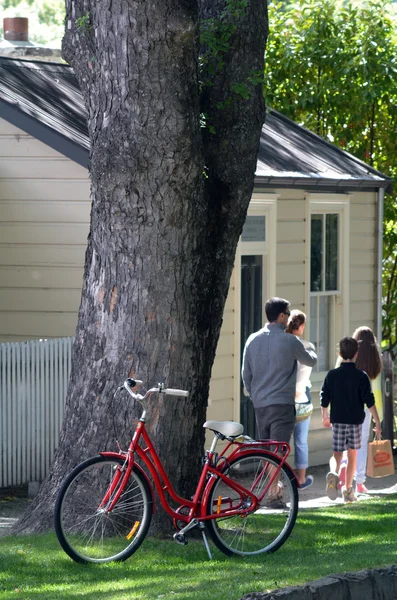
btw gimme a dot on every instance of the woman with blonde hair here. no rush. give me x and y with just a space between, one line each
303 403
368 360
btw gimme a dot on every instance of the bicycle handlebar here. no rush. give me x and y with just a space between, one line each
130 383
172 392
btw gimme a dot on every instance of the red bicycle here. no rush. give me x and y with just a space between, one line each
246 497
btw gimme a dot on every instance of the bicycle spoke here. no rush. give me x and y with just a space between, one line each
268 527
86 530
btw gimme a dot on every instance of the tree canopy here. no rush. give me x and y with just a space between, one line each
333 68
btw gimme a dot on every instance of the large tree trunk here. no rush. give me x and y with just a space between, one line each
169 200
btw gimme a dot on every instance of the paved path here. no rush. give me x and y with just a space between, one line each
11 507
315 496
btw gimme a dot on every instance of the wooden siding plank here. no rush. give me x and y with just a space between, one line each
286 250
359 241
43 233
228 322
291 231
371 323
291 209
362 274
221 388
42 255
363 226
363 292
221 410
367 198
25 146
363 311
39 300
47 212
45 189
7 129
359 258
225 344
42 277
292 292
37 325
223 366
41 168
293 272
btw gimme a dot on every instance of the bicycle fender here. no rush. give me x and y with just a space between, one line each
239 454
139 468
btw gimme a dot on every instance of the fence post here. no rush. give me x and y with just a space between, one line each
388 428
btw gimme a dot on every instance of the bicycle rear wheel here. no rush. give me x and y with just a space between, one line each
264 530
85 530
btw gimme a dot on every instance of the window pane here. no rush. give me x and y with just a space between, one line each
313 321
316 253
331 252
323 325
320 323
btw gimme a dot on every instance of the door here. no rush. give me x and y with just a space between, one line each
251 320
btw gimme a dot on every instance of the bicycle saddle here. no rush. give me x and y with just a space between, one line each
226 428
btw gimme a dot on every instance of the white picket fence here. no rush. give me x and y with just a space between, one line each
33 382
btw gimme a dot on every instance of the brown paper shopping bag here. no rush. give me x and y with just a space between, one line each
380 462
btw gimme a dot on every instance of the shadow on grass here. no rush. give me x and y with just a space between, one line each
329 540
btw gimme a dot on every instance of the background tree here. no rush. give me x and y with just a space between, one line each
46 19
333 68
169 200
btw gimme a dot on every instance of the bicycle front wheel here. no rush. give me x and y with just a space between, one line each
85 529
264 530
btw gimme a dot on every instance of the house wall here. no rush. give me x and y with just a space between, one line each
44 221
358 273
291 249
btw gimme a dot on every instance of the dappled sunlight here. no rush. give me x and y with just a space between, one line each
337 539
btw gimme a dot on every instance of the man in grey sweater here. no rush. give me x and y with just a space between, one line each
269 372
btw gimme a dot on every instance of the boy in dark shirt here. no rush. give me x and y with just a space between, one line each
347 389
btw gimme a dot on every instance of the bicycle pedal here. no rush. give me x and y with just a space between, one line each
180 538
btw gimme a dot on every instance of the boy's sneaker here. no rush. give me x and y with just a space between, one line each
361 489
342 477
348 495
331 485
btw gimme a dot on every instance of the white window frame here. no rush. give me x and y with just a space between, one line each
331 204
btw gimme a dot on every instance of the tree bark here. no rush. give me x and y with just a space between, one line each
169 200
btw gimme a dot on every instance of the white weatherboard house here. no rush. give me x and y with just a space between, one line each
313 233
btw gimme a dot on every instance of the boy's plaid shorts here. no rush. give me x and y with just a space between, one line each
346 436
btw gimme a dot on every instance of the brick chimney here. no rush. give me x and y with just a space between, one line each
15 43
16 29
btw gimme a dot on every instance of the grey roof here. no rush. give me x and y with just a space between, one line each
44 100
290 152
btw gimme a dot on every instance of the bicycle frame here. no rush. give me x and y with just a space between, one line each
210 473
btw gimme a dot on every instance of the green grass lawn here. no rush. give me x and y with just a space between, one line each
333 540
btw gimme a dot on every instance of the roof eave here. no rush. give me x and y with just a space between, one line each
45 134
322 182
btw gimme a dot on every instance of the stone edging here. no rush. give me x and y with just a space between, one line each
374 584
